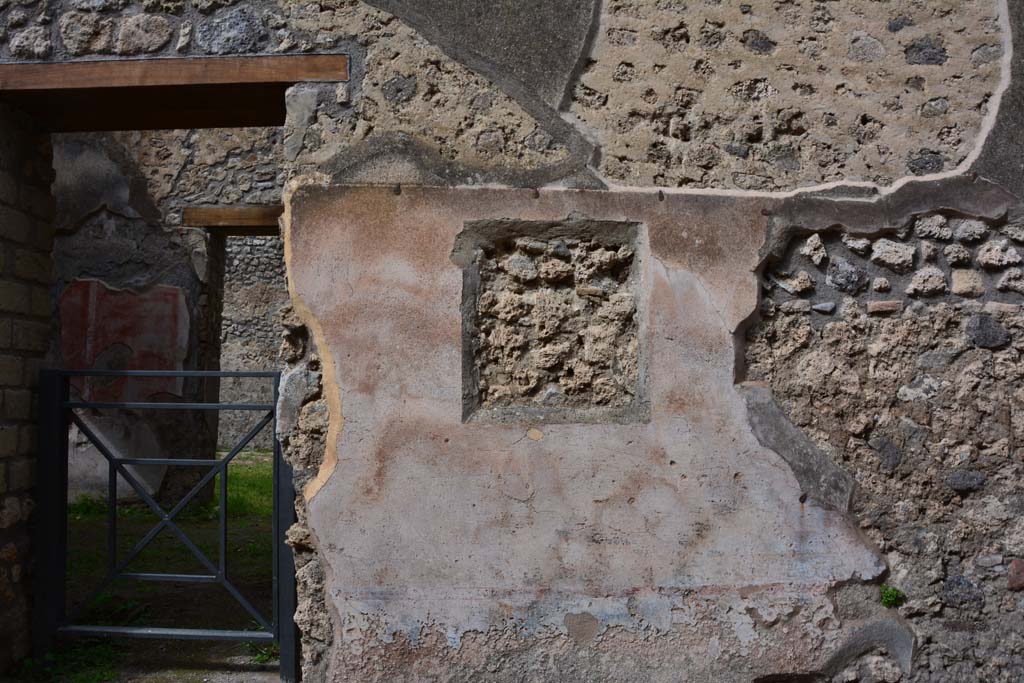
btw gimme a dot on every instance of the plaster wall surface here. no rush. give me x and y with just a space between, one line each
121 197
225 167
131 293
434 524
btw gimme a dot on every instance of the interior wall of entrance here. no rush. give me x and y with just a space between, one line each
26 236
131 293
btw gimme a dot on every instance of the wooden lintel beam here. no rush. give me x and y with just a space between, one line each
172 71
234 221
178 92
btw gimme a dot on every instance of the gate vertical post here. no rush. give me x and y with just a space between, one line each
49 537
285 599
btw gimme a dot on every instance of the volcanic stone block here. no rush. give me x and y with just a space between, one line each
550 322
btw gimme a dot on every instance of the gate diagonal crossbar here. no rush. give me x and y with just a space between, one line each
57 413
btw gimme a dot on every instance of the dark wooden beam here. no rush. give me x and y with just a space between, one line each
234 221
145 94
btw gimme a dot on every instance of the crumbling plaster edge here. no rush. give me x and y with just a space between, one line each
331 390
880 197
831 487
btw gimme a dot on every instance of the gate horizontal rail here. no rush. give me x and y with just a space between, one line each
169 406
168 633
57 414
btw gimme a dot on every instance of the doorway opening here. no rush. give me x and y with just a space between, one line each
135 299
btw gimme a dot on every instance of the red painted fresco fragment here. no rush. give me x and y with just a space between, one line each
114 329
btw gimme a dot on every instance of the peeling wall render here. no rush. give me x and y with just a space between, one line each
131 293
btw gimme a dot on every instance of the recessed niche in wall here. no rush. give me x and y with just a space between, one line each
551 320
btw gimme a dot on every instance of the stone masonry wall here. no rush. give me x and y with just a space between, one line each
924 407
896 346
26 236
768 95
221 166
759 95
933 257
302 428
254 294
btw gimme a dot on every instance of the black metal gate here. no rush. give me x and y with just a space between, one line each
57 412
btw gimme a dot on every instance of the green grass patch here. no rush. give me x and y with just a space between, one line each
129 602
86 507
139 603
250 494
250 486
263 653
892 597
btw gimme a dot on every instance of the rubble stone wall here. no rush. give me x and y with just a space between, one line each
254 294
895 345
747 98
552 319
934 257
923 406
760 95
766 95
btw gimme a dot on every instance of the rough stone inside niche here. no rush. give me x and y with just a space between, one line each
551 322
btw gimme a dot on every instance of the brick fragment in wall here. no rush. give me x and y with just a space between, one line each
921 409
